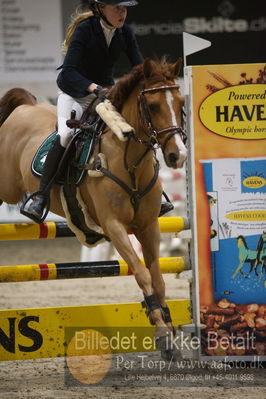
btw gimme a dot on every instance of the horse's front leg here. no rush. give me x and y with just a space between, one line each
117 232
150 241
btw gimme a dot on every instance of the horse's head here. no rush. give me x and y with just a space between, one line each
160 107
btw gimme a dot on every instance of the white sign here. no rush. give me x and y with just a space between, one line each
30 40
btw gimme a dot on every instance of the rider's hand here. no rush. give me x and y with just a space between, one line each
100 92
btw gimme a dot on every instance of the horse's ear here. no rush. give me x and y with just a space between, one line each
176 67
148 68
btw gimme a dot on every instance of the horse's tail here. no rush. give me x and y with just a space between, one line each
12 99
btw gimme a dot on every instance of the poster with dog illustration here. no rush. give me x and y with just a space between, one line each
227 200
239 261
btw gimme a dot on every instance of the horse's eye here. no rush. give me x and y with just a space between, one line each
154 107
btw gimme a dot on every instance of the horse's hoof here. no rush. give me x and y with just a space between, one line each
168 351
164 342
1 202
171 355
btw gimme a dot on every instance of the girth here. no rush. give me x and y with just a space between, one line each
135 195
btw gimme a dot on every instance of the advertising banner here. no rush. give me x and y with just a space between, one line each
30 40
228 206
236 30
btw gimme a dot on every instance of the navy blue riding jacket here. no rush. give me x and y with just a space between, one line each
89 59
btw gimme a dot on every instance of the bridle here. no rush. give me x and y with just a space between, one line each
145 116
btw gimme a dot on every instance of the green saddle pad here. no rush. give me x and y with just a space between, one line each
40 156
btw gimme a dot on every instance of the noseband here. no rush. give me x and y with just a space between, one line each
145 115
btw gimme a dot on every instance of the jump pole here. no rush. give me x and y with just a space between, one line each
57 271
48 325
38 333
32 231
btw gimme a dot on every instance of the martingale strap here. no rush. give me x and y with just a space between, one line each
76 215
135 195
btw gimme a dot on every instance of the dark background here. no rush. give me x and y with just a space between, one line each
236 28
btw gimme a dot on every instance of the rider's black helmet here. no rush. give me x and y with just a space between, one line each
117 2
95 6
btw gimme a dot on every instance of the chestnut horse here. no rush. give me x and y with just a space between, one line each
150 101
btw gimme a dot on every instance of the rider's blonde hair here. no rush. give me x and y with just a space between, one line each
76 18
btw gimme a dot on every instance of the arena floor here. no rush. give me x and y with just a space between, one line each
45 378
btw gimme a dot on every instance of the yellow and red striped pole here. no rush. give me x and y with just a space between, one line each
53 271
32 231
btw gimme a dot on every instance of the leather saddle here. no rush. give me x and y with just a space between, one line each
78 151
72 168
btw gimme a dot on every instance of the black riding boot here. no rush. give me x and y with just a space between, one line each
36 208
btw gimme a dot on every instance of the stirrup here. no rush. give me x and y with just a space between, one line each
24 212
165 208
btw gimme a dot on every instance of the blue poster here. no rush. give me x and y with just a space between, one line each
236 194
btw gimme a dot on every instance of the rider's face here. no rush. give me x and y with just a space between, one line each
116 15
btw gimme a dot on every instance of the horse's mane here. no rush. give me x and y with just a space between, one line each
244 241
12 99
120 92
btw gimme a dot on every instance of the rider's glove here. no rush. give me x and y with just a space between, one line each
100 92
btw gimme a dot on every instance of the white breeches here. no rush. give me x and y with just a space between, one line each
65 104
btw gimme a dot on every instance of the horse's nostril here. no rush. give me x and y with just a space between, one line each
173 157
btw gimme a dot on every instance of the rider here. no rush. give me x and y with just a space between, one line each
93 43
